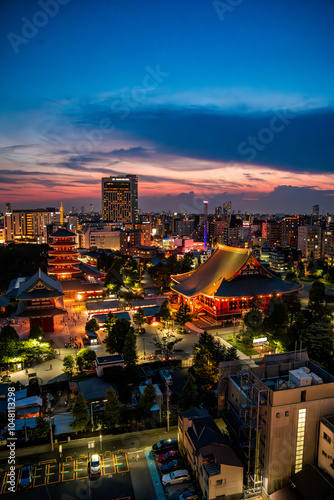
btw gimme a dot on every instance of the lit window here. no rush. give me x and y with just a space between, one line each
300 440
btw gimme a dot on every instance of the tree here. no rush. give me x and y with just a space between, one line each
92 325
8 333
79 412
130 349
148 398
115 339
139 318
68 365
316 296
276 318
37 333
111 408
189 394
42 428
165 344
34 389
85 359
164 312
208 353
317 338
110 320
183 315
187 263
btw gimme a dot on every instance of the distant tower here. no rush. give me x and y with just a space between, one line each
8 208
91 208
205 224
61 215
82 209
218 211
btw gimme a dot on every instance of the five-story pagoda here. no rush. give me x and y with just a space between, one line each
63 261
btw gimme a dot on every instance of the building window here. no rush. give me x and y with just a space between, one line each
327 438
324 453
286 413
219 482
303 396
300 439
278 415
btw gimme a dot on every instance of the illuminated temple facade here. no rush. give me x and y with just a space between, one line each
39 299
225 284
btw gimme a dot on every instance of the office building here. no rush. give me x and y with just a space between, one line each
120 199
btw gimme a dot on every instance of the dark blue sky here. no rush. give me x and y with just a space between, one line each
174 91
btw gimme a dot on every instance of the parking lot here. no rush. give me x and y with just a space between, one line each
73 473
173 491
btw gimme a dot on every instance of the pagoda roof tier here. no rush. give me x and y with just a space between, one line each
41 284
56 262
62 243
63 270
40 312
60 253
230 272
62 233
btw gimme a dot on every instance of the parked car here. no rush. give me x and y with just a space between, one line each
164 445
176 477
169 455
26 474
95 465
185 495
172 465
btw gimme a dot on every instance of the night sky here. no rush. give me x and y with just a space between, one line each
223 100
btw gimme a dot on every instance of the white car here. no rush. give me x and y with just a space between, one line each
95 465
178 476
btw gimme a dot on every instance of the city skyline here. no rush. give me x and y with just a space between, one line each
198 103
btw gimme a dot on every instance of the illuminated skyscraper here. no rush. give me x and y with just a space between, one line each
120 199
205 224
227 206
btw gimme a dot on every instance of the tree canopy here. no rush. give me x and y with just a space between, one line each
79 412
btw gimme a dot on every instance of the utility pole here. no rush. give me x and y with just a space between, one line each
51 433
91 415
144 347
169 392
25 427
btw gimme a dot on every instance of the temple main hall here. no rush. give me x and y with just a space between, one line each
224 285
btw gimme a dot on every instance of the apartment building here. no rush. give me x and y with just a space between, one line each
207 453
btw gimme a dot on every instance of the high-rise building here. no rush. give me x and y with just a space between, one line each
315 211
227 206
290 225
120 199
218 211
27 225
310 241
8 208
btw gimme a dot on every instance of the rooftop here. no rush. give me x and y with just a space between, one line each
112 358
230 272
